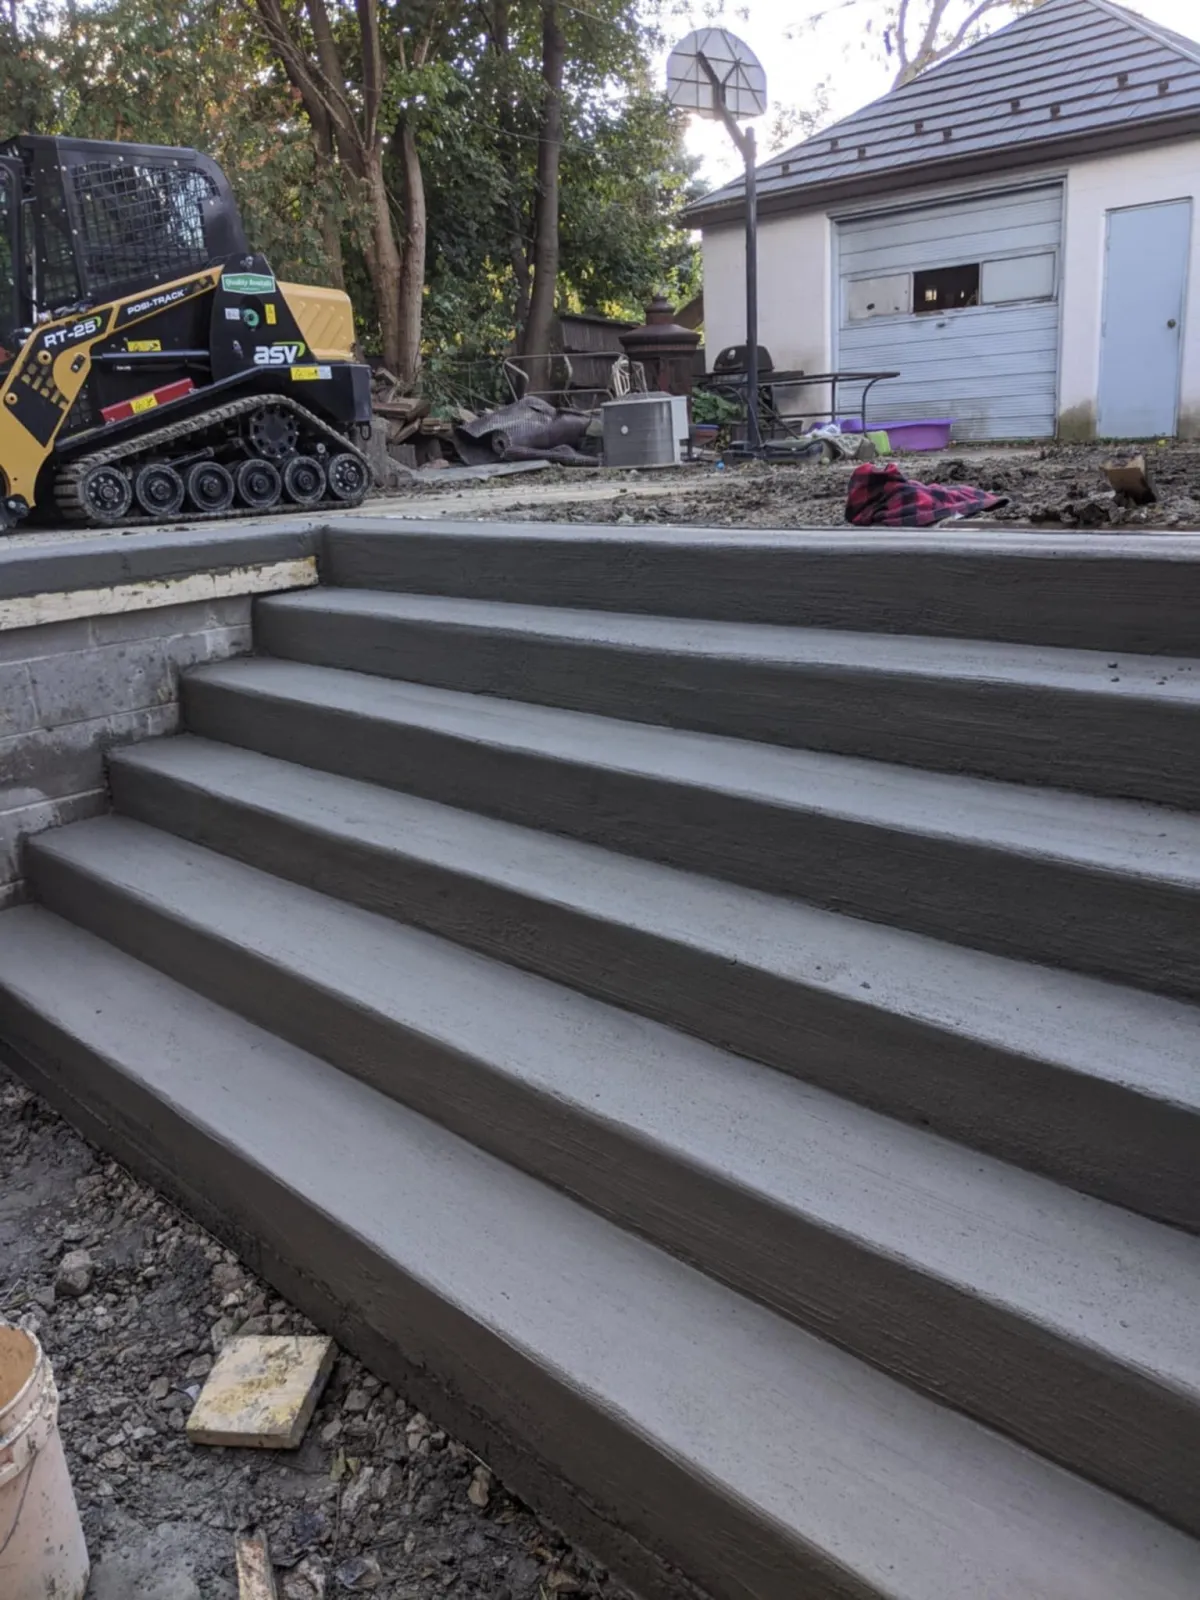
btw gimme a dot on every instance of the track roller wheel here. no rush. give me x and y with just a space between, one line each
349 478
258 485
304 480
159 490
210 487
106 494
274 432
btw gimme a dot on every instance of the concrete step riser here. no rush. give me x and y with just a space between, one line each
1097 1136
1137 930
986 1361
544 1439
1089 741
1049 591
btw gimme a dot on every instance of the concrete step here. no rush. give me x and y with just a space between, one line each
1090 1083
578 1359
1115 725
1107 592
1103 886
1048 1314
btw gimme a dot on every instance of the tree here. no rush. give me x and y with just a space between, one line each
790 124
26 69
568 186
915 35
539 320
358 73
923 32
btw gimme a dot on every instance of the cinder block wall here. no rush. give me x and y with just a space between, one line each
69 690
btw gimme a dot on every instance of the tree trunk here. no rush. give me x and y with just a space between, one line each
412 273
539 324
328 189
385 265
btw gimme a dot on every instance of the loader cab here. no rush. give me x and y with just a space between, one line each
108 219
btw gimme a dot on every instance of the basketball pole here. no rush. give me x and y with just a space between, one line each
753 431
746 143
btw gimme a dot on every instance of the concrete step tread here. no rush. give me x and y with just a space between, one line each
874 1488
1097 1029
959 544
1120 837
1125 1287
1124 675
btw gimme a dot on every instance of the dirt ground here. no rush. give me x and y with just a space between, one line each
1056 487
377 1500
1059 488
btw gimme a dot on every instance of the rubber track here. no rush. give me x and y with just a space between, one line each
67 487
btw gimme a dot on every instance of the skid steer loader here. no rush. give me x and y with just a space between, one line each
151 366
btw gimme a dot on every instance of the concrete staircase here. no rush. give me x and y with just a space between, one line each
714 1018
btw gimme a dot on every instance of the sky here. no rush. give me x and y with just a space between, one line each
796 60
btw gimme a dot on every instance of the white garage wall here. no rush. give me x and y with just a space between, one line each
1170 172
794 258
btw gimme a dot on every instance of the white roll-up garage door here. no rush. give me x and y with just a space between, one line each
962 299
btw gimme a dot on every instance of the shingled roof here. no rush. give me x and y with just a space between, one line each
1073 77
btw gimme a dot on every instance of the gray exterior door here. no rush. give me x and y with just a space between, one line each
990 362
1145 286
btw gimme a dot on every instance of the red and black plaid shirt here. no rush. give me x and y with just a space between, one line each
881 496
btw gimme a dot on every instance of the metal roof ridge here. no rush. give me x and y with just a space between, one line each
1188 49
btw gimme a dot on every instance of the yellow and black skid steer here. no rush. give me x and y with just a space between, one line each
151 365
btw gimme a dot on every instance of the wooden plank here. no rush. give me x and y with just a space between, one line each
256 1577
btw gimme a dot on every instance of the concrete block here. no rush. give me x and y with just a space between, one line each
234 611
213 644
87 684
18 708
50 763
168 622
19 822
262 1392
50 639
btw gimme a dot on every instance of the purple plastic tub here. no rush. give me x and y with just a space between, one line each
928 434
925 435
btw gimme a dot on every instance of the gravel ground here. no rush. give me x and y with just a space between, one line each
378 1500
1058 487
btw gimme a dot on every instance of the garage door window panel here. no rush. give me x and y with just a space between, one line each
1019 278
941 289
886 296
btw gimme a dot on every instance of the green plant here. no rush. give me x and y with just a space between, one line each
715 408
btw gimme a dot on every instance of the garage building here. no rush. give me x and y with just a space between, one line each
1013 231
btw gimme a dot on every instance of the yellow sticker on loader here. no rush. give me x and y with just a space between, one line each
143 347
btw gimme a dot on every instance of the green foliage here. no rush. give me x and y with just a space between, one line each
718 408
27 69
175 72
201 73
625 176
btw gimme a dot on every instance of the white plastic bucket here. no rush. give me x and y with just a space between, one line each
42 1553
